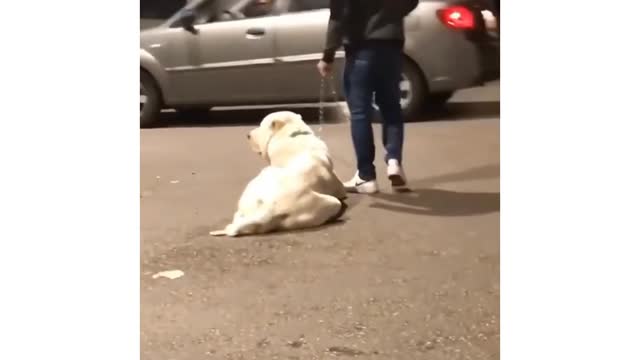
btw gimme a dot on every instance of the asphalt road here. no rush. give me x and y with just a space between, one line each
410 276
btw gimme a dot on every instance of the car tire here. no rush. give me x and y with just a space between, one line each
150 100
413 91
435 102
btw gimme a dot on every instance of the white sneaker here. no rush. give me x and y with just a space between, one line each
396 175
357 185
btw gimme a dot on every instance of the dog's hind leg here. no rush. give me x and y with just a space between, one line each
338 189
315 210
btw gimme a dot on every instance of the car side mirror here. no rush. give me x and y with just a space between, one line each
187 21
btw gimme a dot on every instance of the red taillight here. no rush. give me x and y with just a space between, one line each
457 17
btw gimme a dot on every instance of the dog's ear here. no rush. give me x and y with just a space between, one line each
277 124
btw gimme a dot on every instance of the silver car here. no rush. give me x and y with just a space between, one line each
257 52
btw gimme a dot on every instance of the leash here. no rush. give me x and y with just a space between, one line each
321 100
321 103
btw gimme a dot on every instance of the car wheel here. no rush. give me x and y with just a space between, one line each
435 102
412 91
150 100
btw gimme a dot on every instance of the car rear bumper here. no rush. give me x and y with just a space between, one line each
486 38
489 61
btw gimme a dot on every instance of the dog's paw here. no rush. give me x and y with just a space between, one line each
218 233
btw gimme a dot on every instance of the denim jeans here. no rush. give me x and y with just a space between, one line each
375 69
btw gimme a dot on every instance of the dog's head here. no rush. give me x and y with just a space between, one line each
274 125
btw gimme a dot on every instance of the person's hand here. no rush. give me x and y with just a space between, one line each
324 68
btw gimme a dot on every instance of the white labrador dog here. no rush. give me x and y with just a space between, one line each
298 189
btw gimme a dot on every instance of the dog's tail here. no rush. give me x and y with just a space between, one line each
218 233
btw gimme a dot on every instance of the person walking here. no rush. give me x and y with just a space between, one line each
372 32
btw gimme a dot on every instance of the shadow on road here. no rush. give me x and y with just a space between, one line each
424 200
252 116
465 110
435 202
485 172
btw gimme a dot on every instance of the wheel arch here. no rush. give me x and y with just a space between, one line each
149 65
423 76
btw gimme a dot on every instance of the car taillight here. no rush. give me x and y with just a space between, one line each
457 17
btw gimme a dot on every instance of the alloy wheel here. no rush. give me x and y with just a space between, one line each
406 93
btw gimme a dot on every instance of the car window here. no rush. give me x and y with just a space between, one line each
258 8
217 11
160 9
206 12
308 5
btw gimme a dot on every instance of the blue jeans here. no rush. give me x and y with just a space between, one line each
375 68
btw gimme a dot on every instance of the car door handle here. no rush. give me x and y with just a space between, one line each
256 32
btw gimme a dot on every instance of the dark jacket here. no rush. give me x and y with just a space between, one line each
358 22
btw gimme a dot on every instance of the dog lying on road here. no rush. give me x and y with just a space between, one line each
298 189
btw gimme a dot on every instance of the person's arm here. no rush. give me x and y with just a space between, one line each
335 30
409 6
401 8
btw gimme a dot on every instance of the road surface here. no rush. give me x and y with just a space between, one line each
411 276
